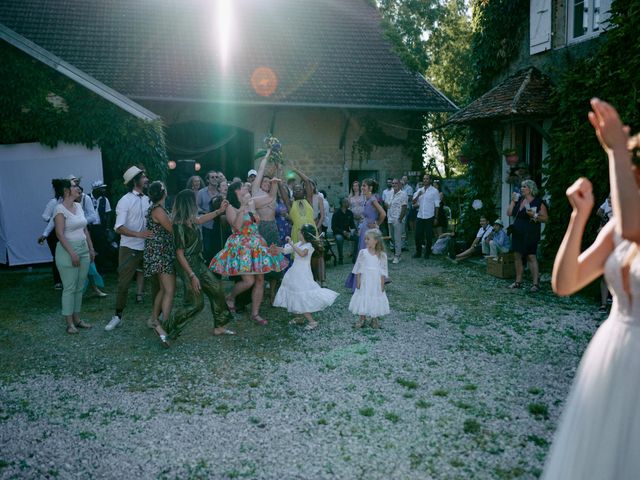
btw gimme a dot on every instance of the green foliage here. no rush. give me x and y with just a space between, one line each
481 151
471 426
498 29
433 39
79 117
406 22
450 70
410 384
373 135
611 74
538 410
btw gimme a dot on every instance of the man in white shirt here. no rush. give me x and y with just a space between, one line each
427 200
388 192
480 244
131 224
101 203
396 211
386 195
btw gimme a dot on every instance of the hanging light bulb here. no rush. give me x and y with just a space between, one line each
171 164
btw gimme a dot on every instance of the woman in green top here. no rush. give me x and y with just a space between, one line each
196 277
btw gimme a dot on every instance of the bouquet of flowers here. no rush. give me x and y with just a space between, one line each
276 149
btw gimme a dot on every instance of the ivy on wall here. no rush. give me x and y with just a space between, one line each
40 105
498 29
373 135
611 74
481 151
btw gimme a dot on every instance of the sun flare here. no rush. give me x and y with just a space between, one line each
224 20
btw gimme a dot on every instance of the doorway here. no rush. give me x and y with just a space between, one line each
212 146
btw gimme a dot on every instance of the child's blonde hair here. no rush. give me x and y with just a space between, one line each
376 234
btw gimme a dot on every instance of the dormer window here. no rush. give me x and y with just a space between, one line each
587 18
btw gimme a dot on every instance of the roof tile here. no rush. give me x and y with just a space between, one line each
326 52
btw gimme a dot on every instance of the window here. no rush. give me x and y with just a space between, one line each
587 18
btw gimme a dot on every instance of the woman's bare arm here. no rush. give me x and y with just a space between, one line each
625 195
573 270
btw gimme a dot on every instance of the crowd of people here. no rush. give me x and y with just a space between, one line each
263 230
225 229
251 232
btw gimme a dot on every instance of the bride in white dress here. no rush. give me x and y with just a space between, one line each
599 432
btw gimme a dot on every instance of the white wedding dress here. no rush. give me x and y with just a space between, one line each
599 432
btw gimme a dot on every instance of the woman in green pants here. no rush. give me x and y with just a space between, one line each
74 251
195 275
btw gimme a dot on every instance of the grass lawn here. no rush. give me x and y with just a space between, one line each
466 379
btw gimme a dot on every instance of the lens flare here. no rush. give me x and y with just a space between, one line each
224 22
264 81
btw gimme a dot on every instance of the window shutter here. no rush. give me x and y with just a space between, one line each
540 26
604 12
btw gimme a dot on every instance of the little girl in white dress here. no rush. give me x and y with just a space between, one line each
369 298
299 293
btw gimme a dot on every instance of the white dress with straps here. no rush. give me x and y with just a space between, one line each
599 432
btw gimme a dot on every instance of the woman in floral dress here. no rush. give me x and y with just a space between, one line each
245 253
158 258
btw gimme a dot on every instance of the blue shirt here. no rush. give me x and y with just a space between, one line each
501 238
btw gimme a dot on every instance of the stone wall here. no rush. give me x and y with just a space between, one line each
310 137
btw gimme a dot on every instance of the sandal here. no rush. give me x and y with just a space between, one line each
224 332
230 305
259 320
164 338
515 285
534 288
296 321
359 323
72 330
311 326
375 323
82 324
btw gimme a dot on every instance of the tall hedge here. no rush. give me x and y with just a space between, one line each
82 118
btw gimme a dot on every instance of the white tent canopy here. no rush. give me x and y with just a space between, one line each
26 171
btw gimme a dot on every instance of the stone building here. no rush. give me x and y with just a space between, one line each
518 107
222 74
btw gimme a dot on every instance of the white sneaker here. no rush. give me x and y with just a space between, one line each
396 260
113 323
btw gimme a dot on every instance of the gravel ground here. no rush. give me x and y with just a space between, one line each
466 379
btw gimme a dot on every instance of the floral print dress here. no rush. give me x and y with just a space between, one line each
159 252
246 252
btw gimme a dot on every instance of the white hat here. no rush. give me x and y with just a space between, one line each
98 184
252 172
130 174
498 222
72 177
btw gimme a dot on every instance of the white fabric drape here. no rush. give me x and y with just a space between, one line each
26 171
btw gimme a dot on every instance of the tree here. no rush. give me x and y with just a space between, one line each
434 39
407 24
450 70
